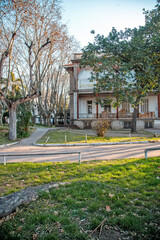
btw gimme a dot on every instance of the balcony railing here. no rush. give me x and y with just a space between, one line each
102 115
114 115
94 115
86 115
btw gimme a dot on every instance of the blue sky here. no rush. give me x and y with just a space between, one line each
82 16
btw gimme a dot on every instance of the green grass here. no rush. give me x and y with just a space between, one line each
59 137
4 134
41 125
130 187
4 130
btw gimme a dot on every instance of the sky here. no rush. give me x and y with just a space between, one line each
82 16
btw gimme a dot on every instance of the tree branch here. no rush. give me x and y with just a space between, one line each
45 44
4 99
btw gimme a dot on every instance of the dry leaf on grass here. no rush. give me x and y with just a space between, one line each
111 195
108 209
35 236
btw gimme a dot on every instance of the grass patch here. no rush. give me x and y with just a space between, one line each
121 194
4 134
41 125
57 137
4 131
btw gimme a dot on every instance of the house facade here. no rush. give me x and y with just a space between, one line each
84 111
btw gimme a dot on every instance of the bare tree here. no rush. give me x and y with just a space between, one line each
20 14
35 45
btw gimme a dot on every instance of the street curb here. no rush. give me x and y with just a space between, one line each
9 144
88 144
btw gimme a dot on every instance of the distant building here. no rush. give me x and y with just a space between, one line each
84 111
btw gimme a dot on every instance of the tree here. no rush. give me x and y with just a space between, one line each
123 62
152 32
13 14
13 103
31 37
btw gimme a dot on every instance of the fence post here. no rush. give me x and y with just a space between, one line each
79 157
145 153
65 139
86 138
4 159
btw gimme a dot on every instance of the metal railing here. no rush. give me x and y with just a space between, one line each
37 154
105 115
150 149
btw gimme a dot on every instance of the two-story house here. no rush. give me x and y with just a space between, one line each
84 111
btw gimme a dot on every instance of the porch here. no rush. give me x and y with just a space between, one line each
118 115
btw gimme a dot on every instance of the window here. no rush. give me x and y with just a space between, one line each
107 107
148 125
126 106
127 124
144 106
84 79
89 106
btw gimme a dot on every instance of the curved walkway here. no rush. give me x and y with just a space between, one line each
33 138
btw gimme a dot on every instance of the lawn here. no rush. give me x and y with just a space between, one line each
4 130
58 136
4 133
116 199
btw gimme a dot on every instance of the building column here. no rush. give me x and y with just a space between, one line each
117 112
97 106
138 112
159 105
77 105
97 110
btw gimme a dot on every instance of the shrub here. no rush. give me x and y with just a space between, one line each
23 117
102 127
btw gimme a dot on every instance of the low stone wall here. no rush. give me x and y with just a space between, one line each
116 124
79 124
156 124
10 202
139 124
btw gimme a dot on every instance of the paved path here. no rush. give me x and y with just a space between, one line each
102 152
34 137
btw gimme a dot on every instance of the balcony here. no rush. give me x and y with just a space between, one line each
108 115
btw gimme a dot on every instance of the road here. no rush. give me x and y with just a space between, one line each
103 152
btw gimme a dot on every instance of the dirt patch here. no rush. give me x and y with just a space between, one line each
110 233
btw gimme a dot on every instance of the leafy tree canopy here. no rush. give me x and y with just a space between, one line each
126 62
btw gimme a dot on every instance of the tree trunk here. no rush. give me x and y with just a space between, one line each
65 117
1 113
134 118
55 120
44 120
48 121
12 124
